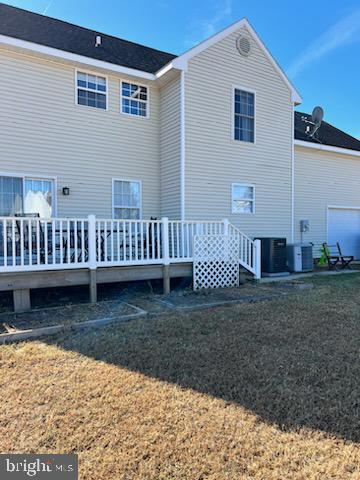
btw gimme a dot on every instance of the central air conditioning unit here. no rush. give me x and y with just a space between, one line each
273 257
300 257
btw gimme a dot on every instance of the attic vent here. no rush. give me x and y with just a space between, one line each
243 45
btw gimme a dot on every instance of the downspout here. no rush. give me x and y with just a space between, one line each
182 146
292 176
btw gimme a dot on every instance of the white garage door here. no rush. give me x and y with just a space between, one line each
344 227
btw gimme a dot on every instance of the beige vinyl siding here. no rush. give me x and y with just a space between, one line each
214 160
323 179
170 148
44 132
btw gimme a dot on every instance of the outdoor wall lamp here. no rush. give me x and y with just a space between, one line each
66 191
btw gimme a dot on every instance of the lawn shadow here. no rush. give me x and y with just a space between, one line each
292 362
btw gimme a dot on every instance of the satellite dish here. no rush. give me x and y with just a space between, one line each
317 116
314 124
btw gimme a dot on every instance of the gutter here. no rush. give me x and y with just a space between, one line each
327 148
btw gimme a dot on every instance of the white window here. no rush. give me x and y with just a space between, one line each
91 90
26 195
244 115
11 196
127 199
38 196
134 99
242 198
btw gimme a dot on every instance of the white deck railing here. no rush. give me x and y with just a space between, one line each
30 244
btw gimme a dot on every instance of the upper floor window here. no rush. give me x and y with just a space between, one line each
134 99
91 90
127 199
244 116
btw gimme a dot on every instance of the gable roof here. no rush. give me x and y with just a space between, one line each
39 29
243 23
326 135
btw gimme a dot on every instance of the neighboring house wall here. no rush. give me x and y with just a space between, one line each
170 148
323 179
44 132
214 160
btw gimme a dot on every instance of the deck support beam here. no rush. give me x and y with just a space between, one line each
92 286
21 299
166 279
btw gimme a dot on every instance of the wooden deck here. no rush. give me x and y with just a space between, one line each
22 282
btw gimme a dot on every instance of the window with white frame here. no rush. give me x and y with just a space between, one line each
242 198
134 99
91 90
38 197
127 199
26 195
244 116
11 195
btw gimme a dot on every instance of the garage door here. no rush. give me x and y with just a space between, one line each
344 227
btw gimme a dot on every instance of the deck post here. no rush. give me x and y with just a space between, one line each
165 255
226 226
92 258
257 245
21 300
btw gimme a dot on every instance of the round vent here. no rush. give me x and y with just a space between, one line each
243 45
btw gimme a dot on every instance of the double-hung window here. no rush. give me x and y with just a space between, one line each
244 116
242 198
26 195
91 90
134 99
127 199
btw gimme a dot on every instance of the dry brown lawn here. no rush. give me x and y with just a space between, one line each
254 391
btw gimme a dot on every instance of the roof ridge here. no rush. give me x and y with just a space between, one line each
85 28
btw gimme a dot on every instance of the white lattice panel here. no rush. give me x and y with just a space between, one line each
215 261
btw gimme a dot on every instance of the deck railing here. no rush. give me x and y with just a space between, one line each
30 244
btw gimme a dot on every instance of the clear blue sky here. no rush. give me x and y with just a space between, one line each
317 43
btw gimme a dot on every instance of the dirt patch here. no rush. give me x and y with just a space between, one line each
64 315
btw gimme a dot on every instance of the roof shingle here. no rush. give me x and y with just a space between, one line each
32 27
326 135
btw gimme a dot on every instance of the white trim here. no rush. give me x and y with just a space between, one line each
166 69
147 101
237 184
32 176
181 61
72 57
134 180
327 148
247 90
292 176
97 74
182 146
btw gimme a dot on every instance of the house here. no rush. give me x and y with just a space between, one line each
93 124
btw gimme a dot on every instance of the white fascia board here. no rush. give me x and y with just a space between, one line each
327 148
73 57
181 61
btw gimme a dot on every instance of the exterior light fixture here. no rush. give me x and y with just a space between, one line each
66 191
